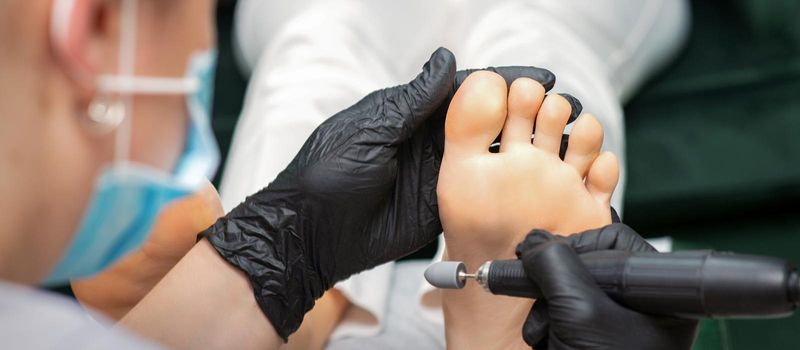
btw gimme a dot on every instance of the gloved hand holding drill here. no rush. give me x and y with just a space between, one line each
574 313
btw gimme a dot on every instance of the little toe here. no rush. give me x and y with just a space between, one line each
584 143
602 178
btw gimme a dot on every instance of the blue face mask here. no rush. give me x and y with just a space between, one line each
129 196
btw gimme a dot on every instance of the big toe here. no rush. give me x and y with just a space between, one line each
476 114
584 143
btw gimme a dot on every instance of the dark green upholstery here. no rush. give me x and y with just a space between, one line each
230 85
713 144
714 148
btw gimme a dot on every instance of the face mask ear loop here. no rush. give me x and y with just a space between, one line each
127 65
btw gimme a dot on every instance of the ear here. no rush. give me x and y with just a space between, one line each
83 38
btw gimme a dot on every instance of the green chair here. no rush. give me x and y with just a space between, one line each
714 148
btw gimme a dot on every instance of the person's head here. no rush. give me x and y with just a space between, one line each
51 152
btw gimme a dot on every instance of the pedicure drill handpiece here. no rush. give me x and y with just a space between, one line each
688 284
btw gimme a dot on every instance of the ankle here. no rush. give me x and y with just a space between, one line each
475 319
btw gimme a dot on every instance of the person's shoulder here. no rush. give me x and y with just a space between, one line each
33 319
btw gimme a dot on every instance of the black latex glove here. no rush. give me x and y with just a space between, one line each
574 313
361 192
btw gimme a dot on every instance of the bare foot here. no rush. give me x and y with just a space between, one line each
489 201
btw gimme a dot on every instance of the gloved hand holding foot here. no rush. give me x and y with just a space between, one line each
361 192
575 313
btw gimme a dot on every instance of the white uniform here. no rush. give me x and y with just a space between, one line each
310 59
32 319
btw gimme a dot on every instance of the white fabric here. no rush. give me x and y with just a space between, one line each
311 59
32 319
405 326
319 63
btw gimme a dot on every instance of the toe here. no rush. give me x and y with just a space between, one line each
602 178
550 123
584 143
476 113
524 99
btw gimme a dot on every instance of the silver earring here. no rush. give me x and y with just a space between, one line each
105 115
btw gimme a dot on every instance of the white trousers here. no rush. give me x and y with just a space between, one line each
312 58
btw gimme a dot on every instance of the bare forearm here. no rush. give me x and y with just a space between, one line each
204 302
